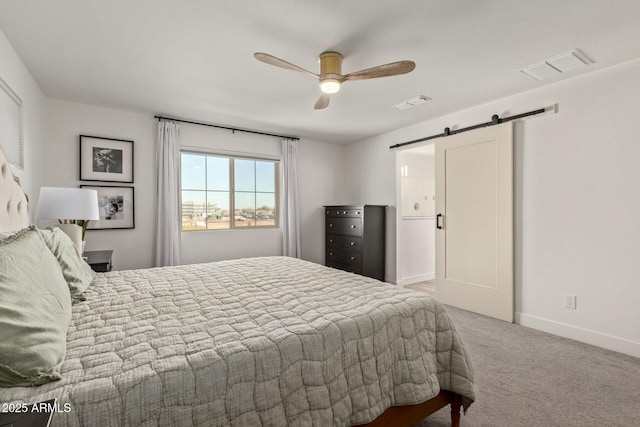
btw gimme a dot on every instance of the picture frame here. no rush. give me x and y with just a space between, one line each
11 126
116 206
106 159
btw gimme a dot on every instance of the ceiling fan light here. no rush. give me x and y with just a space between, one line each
330 85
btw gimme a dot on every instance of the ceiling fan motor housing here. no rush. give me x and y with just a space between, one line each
330 63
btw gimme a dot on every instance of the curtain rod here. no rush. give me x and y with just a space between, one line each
495 120
226 127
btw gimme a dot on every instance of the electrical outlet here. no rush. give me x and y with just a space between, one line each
570 301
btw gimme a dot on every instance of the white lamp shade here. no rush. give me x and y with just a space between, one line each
68 203
330 85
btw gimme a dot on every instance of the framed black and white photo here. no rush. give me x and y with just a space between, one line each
106 159
116 207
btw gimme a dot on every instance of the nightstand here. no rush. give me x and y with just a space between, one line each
25 415
100 261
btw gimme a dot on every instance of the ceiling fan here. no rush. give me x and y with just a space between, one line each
331 77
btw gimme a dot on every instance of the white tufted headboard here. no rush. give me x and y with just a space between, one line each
14 207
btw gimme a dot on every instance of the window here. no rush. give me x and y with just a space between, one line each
220 193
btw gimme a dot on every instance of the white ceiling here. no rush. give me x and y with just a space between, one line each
193 59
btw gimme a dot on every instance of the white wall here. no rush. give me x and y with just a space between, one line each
417 183
370 179
18 78
66 121
321 177
576 204
416 256
322 182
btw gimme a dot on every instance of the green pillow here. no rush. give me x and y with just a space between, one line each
35 311
76 272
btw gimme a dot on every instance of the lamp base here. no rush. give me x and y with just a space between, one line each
75 234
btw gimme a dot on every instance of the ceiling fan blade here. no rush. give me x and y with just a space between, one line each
272 60
322 102
386 70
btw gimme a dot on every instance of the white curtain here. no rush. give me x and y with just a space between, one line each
168 192
290 205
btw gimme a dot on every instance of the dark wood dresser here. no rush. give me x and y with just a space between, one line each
355 239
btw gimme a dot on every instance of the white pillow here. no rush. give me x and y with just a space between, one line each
35 311
75 270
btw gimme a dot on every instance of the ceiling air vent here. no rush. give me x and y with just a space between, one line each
410 103
559 64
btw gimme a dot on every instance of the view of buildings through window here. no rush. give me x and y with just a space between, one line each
224 192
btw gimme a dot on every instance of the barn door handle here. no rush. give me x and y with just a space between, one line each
438 217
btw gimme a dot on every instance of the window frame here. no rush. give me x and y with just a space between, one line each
231 157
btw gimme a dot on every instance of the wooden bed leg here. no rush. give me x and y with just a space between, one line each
456 404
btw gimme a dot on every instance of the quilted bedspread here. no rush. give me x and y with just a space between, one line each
268 341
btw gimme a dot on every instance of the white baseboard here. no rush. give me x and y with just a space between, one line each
416 279
598 339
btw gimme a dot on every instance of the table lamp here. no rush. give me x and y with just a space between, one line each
69 205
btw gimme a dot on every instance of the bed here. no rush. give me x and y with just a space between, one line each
257 341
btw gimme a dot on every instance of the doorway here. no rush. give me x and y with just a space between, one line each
416 217
473 220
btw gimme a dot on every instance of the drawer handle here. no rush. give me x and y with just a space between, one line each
330 225
353 226
352 243
344 212
328 213
330 253
330 240
358 212
352 258
337 212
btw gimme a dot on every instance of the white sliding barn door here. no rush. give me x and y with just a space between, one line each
474 204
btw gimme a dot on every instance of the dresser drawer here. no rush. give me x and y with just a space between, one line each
344 267
348 212
344 257
344 242
345 226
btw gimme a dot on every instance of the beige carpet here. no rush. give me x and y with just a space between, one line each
529 378
429 287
